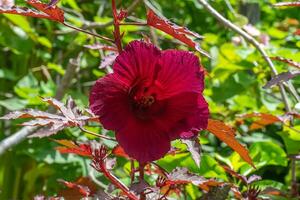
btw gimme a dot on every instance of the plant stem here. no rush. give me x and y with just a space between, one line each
141 179
133 23
87 32
117 34
117 183
96 134
251 40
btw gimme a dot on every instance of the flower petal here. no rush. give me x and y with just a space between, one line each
137 61
108 100
180 72
193 123
144 142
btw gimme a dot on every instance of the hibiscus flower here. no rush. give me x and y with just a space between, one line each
151 98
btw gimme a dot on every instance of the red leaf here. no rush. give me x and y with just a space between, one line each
287 4
119 151
263 120
54 12
288 61
177 32
71 147
83 187
227 135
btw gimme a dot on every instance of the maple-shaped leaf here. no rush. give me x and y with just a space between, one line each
280 78
83 187
288 4
50 123
83 149
194 147
180 33
227 135
290 62
44 11
263 119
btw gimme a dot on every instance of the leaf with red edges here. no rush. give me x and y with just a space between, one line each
17 10
227 135
44 11
180 33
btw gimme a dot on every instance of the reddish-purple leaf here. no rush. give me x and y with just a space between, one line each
282 77
52 123
183 176
194 147
288 61
180 33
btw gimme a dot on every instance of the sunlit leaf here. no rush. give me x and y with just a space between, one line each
227 135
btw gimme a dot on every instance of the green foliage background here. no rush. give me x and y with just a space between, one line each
35 53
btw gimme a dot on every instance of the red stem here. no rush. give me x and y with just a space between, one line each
141 178
117 34
117 183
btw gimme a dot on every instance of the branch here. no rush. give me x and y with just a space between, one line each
22 134
251 40
96 25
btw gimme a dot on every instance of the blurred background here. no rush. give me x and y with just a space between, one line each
35 57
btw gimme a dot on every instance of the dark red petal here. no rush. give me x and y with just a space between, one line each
137 61
180 72
144 142
108 100
194 122
176 108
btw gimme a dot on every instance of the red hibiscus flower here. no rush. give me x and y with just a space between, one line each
152 98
